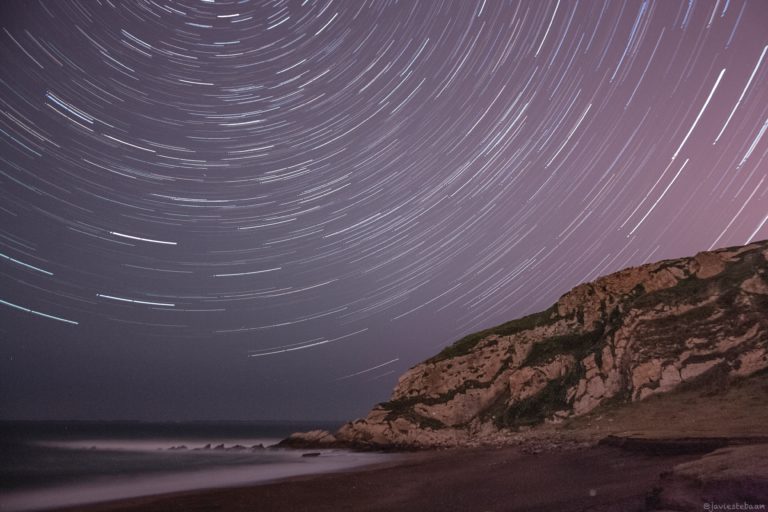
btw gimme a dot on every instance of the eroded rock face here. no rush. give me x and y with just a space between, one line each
311 439
623 337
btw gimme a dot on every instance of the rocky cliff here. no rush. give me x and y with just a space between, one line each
621 338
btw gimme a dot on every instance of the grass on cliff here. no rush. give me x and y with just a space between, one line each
694 289
404 406
467 343
685 290
535 409
713 406
577 344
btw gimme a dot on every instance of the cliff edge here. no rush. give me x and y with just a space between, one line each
639 332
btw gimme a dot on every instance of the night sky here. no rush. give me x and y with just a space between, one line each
270 210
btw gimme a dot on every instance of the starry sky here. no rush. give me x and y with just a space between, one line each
272 209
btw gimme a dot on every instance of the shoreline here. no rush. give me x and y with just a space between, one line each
188 496
99 490
460 479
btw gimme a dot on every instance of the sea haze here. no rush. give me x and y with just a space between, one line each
49 464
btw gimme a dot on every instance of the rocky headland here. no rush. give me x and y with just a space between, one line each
640 332
669 358
643 391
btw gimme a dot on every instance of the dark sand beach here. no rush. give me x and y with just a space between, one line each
599 478
607 460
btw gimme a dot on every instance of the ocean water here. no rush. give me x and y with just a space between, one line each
51 464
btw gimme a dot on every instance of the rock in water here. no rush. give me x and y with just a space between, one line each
624 337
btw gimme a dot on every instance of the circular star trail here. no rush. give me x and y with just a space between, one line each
240 209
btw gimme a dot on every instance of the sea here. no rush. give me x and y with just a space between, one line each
45 465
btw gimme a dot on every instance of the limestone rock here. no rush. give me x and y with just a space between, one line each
311 439
670 378
695 369
707 264
626 336
756 284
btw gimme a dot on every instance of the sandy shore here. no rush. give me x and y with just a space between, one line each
601 478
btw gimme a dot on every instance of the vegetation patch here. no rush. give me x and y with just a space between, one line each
684 321
577 344
430 423
403 407
498 408
692 289
467 343
535 409
399 407
688 290
623 396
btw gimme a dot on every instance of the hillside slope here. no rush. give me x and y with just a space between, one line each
620 339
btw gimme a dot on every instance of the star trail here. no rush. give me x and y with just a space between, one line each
270 209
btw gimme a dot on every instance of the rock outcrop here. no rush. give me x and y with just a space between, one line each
622 338
311 439
735 477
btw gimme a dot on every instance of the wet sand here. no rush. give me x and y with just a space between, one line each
601 478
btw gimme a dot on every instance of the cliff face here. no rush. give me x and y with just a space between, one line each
623 337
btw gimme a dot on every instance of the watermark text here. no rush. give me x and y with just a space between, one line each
712 506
